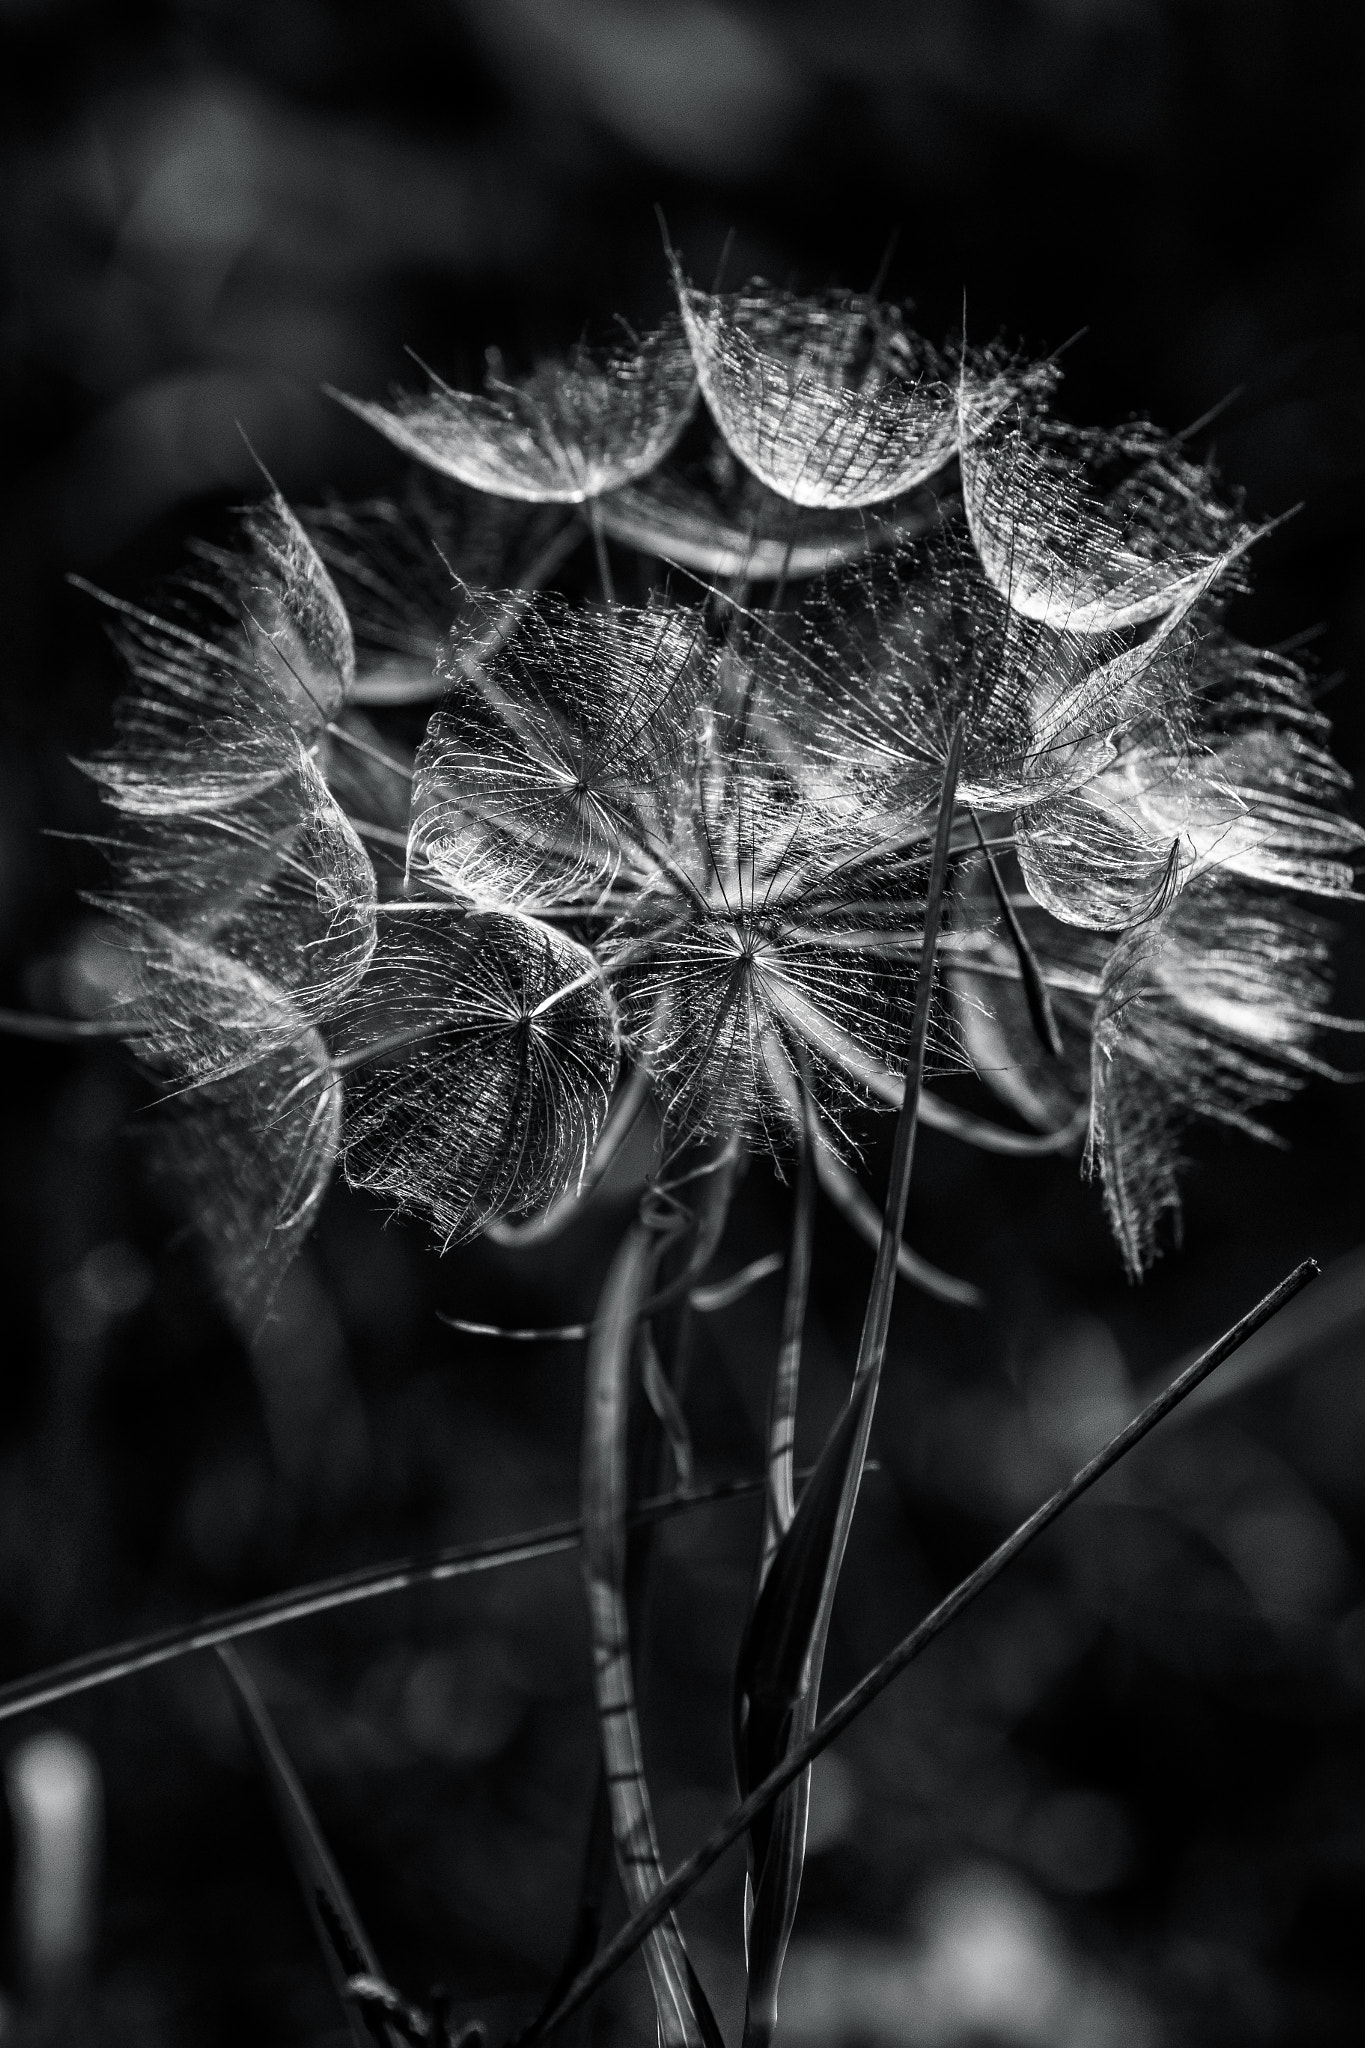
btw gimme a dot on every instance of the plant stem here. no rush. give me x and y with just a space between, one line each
690 1872
347 1589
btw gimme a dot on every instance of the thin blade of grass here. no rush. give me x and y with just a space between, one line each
684 2017
780 1501
346 1948
777 1676
693 1868
372 1582
1037 995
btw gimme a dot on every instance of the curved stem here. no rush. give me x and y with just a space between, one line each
736 1823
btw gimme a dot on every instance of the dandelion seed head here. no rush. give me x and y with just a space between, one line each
788 952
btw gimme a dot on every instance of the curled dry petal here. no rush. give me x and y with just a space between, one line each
547 769
480 1054
1086 532
570 431
829 400
1208 1010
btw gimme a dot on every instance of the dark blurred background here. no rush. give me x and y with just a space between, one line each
1123 1804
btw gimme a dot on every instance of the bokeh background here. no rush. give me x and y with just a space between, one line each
1123 1804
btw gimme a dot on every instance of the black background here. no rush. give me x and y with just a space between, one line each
1128 1793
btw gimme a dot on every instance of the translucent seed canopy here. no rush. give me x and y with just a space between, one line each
1089 532
548 769
279 881
256 655
480 1054
1148 824
885 657
201 1014
1208 1010
248 1159
291 613
573 429
404 571
829 400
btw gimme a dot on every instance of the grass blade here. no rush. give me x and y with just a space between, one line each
694 1867
780 1503
1037 995
372 1582
346 1948
684 2017
777 1677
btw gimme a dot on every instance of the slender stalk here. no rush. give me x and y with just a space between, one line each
683 2017
857 1207
66 1030
346 1947
372 1582
780 1502
877 1322
736 1823
1036 995
599 545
